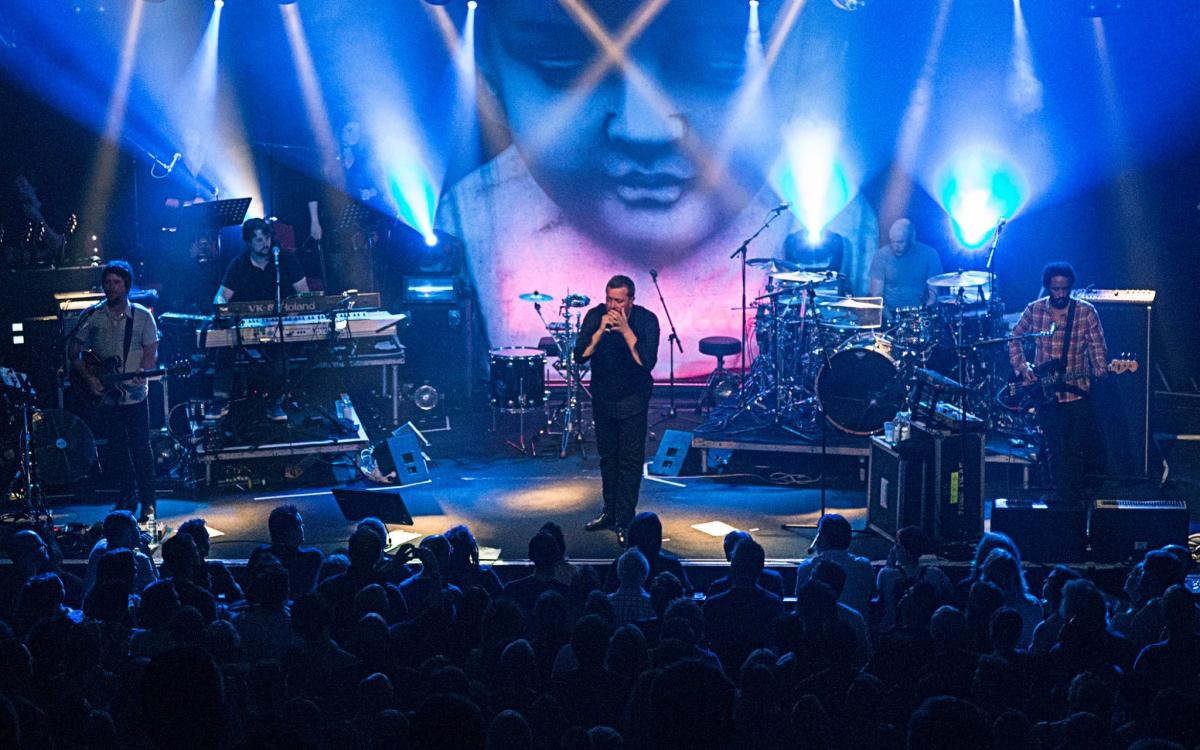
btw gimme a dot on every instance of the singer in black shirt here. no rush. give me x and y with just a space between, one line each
620 339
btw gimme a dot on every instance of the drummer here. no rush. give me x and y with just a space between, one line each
900 269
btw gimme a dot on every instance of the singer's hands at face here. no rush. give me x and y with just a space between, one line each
616 319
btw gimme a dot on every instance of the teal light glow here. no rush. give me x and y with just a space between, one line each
812 177
977 189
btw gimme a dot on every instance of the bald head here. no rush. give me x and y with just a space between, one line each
902 234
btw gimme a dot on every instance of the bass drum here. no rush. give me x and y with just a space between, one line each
518 379
859 387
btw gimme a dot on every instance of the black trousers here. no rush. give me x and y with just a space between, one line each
621 443
123 437
1074 447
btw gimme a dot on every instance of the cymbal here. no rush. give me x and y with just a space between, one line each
849 303
960 278
772 265
804 277
536 297
577 300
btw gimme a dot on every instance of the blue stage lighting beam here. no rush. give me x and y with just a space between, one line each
912 126
104 166
1024 88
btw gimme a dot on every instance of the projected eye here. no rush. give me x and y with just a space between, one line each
557 70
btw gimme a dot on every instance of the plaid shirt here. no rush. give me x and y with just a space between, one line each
630 606
1087 342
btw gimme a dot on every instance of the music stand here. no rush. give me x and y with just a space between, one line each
214 215
353 215
359 504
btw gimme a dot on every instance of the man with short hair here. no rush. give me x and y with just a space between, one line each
900 270
124 335
833 543
742 618
286 527
121 532
620 339
630 601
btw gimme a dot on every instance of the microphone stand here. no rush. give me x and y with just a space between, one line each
742 250
282 345
672 342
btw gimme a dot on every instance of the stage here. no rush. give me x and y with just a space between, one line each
476 478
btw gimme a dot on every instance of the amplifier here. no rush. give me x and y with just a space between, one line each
1125 530
1043 533
1122 403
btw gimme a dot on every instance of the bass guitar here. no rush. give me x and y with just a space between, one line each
1051 380
108 372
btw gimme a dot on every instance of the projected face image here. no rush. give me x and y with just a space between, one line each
634 163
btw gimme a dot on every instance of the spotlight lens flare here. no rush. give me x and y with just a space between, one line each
431 240
978 189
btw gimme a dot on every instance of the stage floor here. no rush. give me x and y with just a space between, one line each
477 479
505 497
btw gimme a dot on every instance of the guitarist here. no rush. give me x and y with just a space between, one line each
1069 432
120 329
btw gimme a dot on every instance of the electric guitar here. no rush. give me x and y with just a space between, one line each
108 372
1051 380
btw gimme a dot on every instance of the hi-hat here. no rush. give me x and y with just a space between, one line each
577 300
804 277
772 265
960 278
536 297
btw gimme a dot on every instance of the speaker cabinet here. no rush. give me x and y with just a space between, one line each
1122 402
1044 534
672 453
1125 530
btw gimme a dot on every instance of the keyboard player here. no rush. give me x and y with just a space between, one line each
251 276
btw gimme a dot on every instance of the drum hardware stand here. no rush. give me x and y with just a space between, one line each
743 250
571 411
672 342
33 499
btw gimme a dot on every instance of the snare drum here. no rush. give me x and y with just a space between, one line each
859 387
518 379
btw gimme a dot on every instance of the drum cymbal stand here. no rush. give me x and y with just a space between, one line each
571 411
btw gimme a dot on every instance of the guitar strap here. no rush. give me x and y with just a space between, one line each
1066 352
129 339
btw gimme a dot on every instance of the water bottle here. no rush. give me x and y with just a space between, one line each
152 524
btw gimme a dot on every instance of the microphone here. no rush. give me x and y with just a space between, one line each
174 161
275 252
781 208
654 274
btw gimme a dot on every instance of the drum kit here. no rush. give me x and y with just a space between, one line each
518 375
824 354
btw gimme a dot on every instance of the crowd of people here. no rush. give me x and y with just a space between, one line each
429 648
